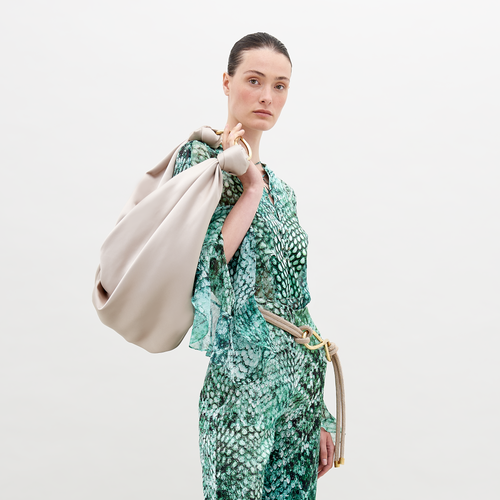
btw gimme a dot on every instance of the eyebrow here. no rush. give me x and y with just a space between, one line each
262 74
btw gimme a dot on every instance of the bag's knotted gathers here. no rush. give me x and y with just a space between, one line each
144 282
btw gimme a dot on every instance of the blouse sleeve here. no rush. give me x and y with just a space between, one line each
212 281
223 295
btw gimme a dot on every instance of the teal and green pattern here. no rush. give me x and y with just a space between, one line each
261 406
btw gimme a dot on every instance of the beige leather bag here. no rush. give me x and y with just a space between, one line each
144 282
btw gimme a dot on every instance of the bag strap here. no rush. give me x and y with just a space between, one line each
302 335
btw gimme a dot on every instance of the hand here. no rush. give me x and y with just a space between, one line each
252 178
326 451
229 137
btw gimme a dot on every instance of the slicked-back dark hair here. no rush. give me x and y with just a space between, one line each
253 41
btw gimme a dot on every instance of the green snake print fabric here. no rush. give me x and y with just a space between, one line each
261 406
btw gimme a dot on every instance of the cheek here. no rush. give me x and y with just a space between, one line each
245 95
280 101
242 100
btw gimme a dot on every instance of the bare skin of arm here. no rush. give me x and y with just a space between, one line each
241 216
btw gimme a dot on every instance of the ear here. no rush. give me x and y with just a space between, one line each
226 80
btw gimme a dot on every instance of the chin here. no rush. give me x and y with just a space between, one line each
261 125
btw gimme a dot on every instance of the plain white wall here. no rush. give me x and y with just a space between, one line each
390 139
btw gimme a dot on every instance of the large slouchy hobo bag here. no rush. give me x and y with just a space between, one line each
144 282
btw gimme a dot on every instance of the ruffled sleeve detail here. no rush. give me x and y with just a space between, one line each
227 323
213 292
223 296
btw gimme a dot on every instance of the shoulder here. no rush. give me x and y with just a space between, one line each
197 151
290 193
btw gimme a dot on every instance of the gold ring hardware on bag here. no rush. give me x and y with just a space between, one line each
245 143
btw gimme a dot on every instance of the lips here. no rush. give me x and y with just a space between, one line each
263 112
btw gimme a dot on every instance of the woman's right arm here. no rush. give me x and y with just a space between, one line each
241 215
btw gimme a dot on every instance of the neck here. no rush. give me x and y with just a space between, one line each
252 137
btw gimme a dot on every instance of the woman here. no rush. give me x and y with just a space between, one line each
264 429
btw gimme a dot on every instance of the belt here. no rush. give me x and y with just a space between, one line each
302 335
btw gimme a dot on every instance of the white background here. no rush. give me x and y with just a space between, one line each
390 139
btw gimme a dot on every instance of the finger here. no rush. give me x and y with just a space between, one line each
225 136
330 448
321 471
326 437
237 137
234 130
235 133
233 138
323 452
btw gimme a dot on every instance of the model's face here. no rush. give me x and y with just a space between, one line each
258 89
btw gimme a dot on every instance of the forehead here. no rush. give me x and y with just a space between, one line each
266 61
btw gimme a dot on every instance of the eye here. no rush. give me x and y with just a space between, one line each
280 86
253 81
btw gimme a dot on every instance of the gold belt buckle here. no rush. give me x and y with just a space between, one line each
322 343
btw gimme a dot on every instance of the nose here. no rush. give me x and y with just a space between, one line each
265 96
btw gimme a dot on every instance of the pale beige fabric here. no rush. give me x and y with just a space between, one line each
144 282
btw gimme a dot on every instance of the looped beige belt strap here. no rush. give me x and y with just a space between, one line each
302 335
